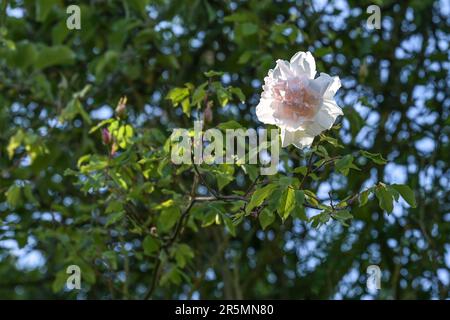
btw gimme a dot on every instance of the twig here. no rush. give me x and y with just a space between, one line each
252 185
325 163
308 171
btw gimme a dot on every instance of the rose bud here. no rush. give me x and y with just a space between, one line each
106 136
121 106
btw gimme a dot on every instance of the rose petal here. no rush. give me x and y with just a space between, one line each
303 63
282 70
324 118
298 138
328 85
264 111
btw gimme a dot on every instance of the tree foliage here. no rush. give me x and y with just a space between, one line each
86 177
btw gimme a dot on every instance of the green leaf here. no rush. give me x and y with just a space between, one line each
385 198
124 135
212 73
266 218
174 275
302 170
101 124
114 206
168 218
43 8
28 192
406 193
224 175
320 52
364 197
87 273
180 95
299 197
259 195
249 28
182 253
24 56
232 124
238 92
229 224
108 61
311 197
14 196
209 218
54 56
114 218
74 108
150 245
111 257
344 164
375 157
223 95
60 281
14 142
334 142
186 106
343 215
287 203
355 120
245 57
199 94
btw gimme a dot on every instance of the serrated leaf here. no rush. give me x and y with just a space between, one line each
287 203
238 93
363 197
375 157
259 195
302 170
344 164
385 198
406 193
266 218
176 95
343 214
229 224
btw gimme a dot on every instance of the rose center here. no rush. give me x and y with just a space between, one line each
296 100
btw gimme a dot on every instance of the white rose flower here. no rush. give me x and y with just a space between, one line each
301 106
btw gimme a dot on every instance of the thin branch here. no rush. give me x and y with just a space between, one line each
212 191
308 171
252 185
325 163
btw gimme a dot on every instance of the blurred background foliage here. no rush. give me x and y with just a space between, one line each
56 83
